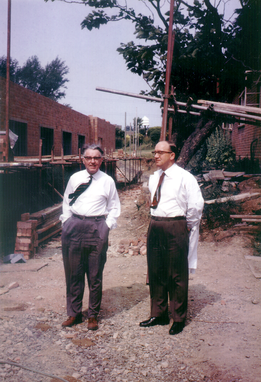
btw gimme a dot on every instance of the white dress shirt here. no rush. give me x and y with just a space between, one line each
180 196
100 198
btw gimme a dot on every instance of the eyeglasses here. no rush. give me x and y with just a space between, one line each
96 159
161 152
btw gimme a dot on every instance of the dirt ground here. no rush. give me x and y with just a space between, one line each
223 328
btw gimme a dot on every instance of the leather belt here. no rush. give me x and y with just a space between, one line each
82 217
159 218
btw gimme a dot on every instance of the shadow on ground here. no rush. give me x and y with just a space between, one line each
198 298
117 299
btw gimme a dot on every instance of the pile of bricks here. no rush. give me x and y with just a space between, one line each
26 237
36 228
2 147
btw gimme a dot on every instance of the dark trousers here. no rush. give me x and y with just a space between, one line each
167 255
84 246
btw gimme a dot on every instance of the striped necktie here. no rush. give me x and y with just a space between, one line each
79 190
156 197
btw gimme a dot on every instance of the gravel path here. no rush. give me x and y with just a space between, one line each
221 340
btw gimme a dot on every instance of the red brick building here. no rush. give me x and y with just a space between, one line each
33 117
246 138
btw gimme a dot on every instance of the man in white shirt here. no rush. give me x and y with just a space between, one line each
176 209
91 207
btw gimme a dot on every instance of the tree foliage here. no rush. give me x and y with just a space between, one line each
48 81
210 52
210 57
119 137
154 134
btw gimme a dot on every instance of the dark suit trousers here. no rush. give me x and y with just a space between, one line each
167 255
84 246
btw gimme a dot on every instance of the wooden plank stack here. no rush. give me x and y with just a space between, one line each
36 228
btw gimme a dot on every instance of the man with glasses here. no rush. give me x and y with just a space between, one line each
176 209
91 207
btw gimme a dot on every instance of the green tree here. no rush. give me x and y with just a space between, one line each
48 81
119 136
203 38
210 56
53 79
154 134
14 69
30 75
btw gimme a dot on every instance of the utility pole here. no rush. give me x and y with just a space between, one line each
168 72
125 134
7 94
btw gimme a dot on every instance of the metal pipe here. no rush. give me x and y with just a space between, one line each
185 111
128 94
194 106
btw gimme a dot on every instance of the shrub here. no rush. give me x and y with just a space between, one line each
219 150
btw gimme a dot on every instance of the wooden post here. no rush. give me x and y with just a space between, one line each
125 169
40 151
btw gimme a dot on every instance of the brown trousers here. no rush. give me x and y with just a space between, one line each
167 255
84 246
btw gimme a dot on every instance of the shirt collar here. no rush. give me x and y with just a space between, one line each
94 176
168 171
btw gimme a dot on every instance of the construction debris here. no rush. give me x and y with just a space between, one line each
247 218
233 198
39 227
14 258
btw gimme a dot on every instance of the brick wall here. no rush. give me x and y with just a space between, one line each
38 111
246 138
104 134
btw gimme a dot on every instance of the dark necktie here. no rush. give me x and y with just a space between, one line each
79 190
156 197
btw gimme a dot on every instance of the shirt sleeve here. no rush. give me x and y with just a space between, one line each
67 213
113 206
195 204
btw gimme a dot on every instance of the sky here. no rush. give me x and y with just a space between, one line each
53 29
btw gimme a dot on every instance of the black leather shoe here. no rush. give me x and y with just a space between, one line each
177 327
162 320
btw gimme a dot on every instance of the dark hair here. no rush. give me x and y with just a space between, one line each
173 147
93 146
